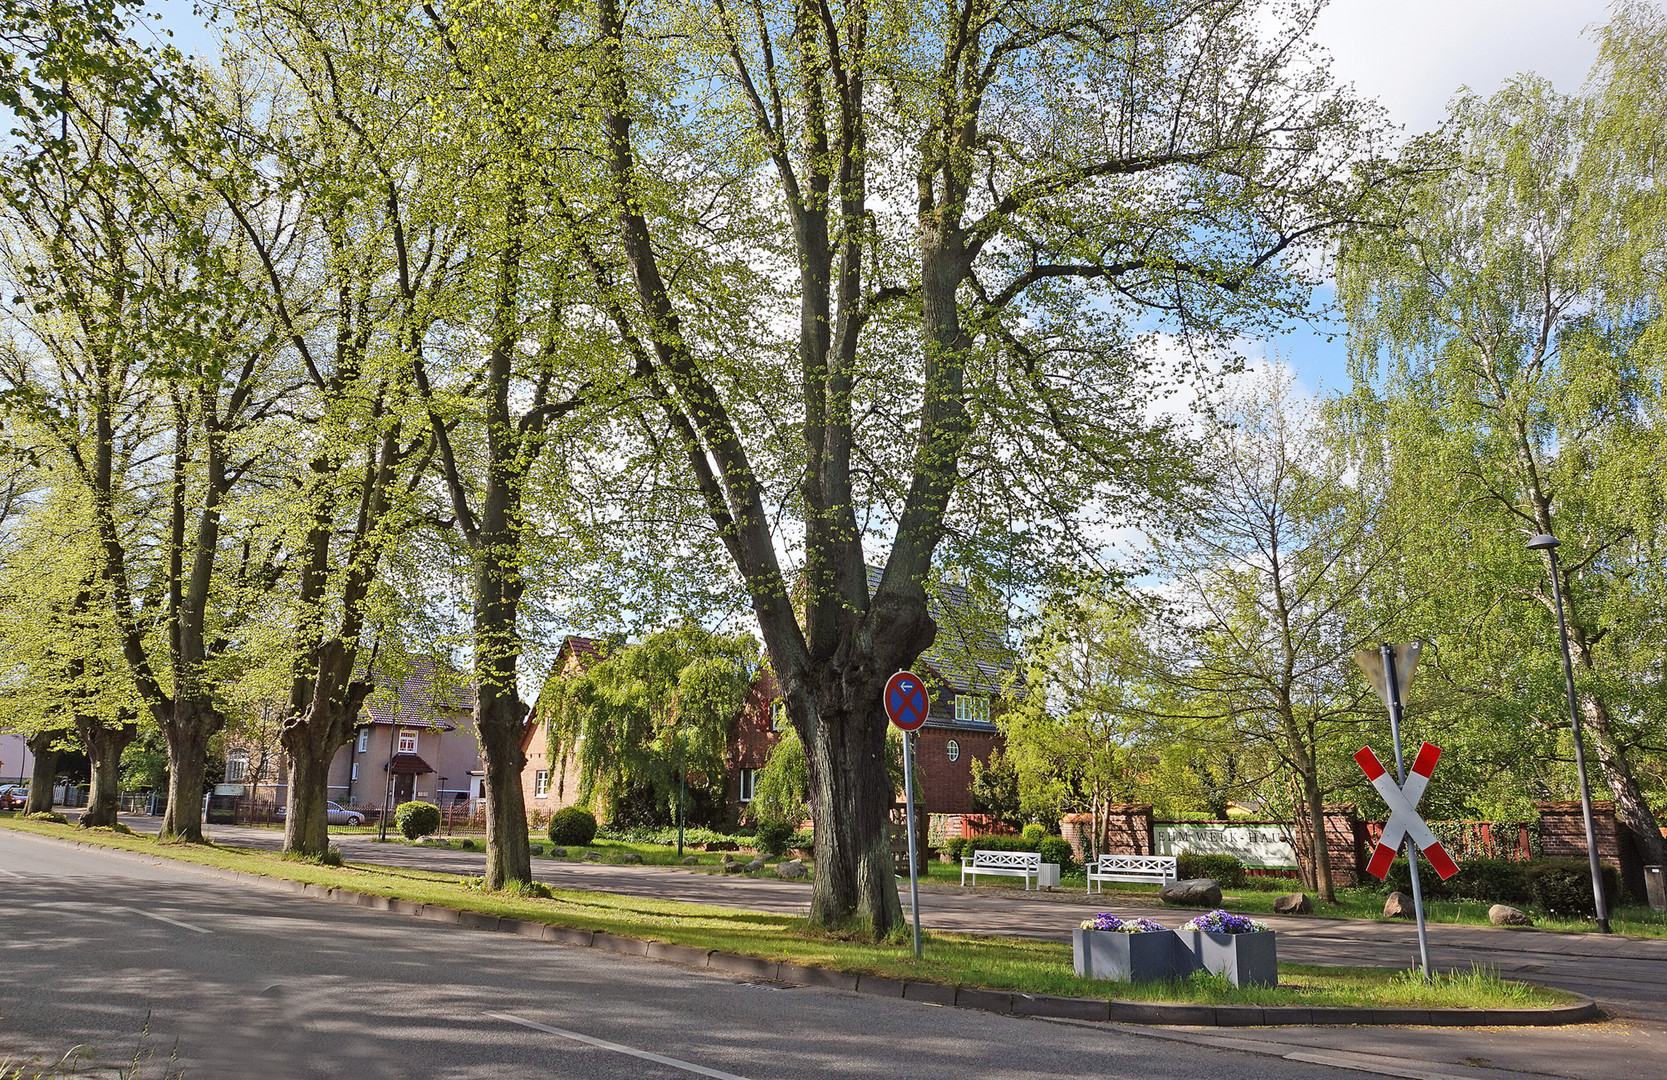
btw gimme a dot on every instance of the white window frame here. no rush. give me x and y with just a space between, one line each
364 739
237 766
407 734
972 709
748 780
355 775
541 783
953 749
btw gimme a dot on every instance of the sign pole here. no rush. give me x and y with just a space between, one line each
909 815
907 705
1394 687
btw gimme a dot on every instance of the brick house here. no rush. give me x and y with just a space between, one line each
546 785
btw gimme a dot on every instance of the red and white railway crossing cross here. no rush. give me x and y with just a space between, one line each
1403 812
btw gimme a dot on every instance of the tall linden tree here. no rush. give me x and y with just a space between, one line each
893 279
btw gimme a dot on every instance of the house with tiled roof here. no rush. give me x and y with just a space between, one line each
415 740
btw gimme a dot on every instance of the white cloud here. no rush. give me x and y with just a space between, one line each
1414 55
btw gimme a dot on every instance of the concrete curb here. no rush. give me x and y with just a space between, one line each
960 997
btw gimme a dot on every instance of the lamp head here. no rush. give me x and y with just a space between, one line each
1542 542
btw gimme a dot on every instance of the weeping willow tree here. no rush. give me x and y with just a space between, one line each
648 716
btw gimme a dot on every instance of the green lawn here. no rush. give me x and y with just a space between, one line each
997 963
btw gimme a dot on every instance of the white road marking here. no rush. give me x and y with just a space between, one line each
603 1044
163 918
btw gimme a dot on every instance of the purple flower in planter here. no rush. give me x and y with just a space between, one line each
1109 922
1223 922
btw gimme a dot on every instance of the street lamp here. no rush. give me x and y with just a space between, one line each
1548 544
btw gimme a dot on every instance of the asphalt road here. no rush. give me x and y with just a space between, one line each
225 980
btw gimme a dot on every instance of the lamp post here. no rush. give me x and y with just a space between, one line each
1548 544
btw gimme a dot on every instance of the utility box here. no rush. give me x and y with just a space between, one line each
1655 888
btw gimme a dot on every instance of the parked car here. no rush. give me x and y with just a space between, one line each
13 796
334 814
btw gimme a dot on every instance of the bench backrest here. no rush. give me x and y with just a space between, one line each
1136 864
1017 860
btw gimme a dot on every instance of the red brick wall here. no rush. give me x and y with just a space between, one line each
946 784
750 740
1563 835
1128 831
1345 843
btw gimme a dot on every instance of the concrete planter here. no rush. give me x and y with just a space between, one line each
1112 954
1243 959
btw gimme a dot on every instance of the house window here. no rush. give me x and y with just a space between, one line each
237 766
541 783
954 750
747 776
407 741
364 739
355 775
971 709
778 715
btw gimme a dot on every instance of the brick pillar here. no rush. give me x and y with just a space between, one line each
1075 829
1129 830
1563 835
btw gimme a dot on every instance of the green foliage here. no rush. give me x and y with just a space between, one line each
572 826
644 713
1057 849
781 790
48 815
954 846
1033 832
416 820
995 788
527 890
1226 870
773 836
665 835
1558 886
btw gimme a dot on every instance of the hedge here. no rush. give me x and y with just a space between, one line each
1558 885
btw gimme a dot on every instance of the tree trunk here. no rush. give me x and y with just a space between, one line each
306 818
43 746
311 740
851 798
499 718
104 748
1631 808
1323 886
187 733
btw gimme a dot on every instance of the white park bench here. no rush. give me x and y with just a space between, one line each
1157 869
1025 864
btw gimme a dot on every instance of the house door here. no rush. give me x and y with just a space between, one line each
404 785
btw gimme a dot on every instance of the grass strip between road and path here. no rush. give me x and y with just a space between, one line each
997 963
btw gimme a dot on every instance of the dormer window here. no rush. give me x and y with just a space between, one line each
971 709
407 741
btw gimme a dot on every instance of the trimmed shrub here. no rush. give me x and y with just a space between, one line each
417 819
1225 870
772 836
1564 886
803 840
572 826
954 846
1057 849
1032 834
996 842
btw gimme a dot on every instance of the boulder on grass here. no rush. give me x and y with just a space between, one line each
791 870
593 856
1398 906
756 864
690 860
734 867
630 857
1193 892
726 859
1294 904
1505 915
558 853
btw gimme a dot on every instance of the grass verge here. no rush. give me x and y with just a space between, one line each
1035 967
